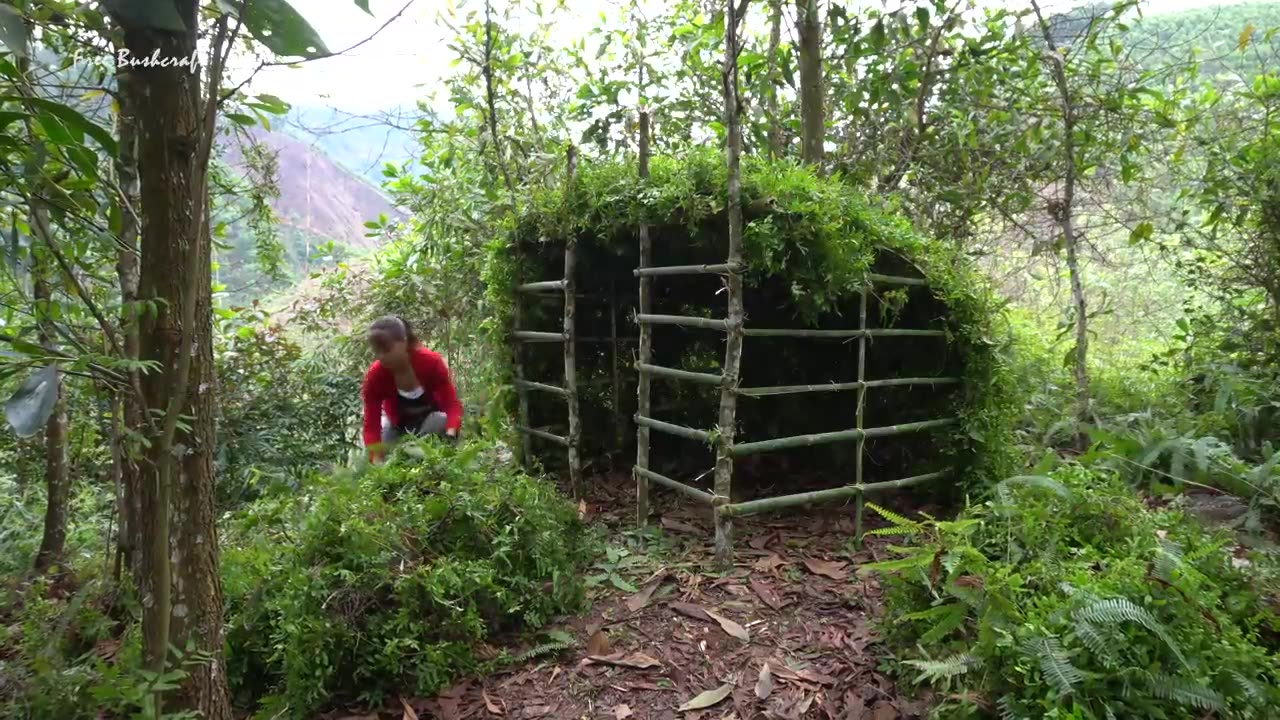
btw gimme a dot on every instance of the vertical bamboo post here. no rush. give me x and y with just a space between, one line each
571 336
645 304
616 356
733 339
862 399
517 369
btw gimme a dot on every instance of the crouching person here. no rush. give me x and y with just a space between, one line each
407 390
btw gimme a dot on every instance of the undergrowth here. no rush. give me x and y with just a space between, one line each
384 580
1067 597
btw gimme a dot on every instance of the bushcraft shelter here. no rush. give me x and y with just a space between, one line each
868 360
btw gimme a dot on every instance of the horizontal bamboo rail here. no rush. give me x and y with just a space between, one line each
533 336
530 385
838 436
680 487
895 279
879 332
658 370
720 269
670 429
544 435
837 387
701 322
751 507
541 286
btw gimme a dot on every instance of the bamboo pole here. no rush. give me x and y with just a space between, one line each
541 286
876 332
570 347
895 280
795 441
680 487
528 431
753 507
532 336
860 414
683 320
616 360
704 378
734 321
838 387
673 429
645 351
530 385
721 269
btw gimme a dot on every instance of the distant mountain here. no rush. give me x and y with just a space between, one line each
318 197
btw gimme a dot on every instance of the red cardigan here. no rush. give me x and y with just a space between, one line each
379 392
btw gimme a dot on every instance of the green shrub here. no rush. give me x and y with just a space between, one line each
383 579
1068 597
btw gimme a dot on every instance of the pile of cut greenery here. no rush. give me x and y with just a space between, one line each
384 580
1067 597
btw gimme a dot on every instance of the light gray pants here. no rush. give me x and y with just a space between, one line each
432 425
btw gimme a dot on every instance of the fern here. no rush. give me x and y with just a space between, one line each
560 641
1187 693
1036 481
934 670
949 622
1113 611
1054 663
1096 638
1251 689
901 525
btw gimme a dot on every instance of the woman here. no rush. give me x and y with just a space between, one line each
408 387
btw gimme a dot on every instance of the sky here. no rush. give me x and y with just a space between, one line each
405 60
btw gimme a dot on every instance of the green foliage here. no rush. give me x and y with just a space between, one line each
1076 600
282 414
384 579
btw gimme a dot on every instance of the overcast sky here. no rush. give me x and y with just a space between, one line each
405 60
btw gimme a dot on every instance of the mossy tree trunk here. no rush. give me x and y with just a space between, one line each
734 322
812 116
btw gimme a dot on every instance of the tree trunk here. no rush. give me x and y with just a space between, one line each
57 483
128 405
181 592
1064 214
812 119
733 341
776 142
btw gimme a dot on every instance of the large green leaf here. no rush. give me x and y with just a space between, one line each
277 25
69 117
154 14
13 30
32 404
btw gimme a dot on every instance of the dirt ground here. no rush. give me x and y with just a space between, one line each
787 634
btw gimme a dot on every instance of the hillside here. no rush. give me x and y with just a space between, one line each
318 197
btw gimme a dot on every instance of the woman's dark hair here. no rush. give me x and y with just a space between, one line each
391 328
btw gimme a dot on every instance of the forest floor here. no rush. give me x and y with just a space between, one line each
792 623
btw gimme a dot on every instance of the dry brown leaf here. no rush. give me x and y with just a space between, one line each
409 713
534 711
598 644
621 712
641 599
761 542
489 704
884 710
731 627
639 661
816 677
770 563
827 568
707 699
766 593
690 610
764 684
673 524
